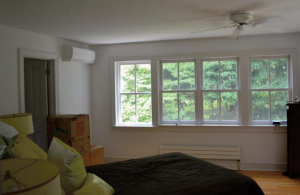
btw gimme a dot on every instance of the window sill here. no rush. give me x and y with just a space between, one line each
234 128
133 126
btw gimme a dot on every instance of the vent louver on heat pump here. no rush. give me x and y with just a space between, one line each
78 55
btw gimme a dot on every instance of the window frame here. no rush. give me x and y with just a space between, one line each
245 102
238 121
199 91
118 93
161 91
289 89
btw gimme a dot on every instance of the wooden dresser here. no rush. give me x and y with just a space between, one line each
293 140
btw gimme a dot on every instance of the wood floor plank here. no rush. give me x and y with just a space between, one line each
273 183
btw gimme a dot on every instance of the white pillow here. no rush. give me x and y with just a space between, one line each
62 157
7 130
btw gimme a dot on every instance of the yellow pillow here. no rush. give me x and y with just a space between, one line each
95 186
70 163
62 191
26 148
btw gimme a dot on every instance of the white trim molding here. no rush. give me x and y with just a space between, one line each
118 93
42 55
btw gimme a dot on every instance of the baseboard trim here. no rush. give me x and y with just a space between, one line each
264 166
245 165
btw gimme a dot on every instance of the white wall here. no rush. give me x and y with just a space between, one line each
262 147
74 78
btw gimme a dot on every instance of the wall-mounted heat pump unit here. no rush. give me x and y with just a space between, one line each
78 55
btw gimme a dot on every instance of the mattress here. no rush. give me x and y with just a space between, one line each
174 174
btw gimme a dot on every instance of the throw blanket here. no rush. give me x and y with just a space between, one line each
174 174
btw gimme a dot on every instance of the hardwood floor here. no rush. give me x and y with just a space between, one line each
273 183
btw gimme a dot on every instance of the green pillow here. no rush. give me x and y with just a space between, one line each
94 185
70 164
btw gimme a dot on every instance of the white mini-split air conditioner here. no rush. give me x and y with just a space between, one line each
78 55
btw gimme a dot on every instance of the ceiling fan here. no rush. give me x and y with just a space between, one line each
241 19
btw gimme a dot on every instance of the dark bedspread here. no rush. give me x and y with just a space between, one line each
174 174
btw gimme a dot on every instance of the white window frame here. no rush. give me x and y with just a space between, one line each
199 91
220 91
118 93
161 91
244 83
289 89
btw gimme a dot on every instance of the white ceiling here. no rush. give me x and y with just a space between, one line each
121 21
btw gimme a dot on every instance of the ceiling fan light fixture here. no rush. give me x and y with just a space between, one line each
241 27
241 17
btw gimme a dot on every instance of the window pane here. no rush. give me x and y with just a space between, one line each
279 73
260 105
229 106
187 106
170 76
211 109
170 107
210 75
143 78
127 78
128 108
228 74
144 109
260 74
187 75
278 104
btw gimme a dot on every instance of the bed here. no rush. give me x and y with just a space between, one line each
174 174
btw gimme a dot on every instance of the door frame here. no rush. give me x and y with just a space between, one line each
53 85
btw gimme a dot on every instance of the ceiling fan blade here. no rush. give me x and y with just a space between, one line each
236 33
268 20
212 29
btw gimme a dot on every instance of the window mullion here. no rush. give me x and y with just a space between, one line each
136 116
270 100
269 72
178 92
178 119
269 69
177 76
219 86
220 113
135 78
198 98
119 106
135 94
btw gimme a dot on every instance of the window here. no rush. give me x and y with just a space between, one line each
269 88
220 90
178 94
242 90
134 93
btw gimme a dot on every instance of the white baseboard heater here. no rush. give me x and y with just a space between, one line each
231 153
